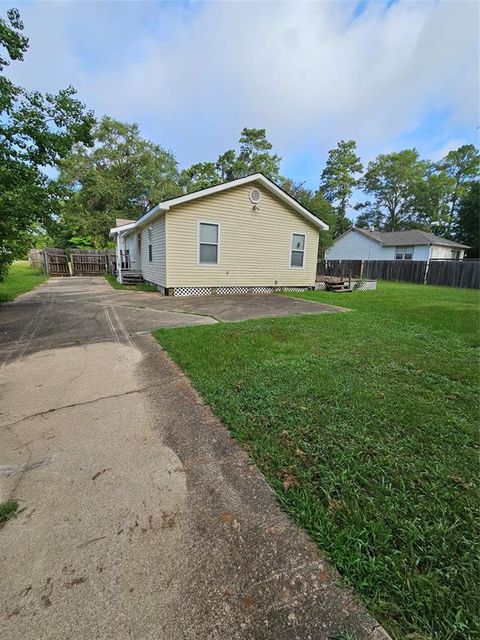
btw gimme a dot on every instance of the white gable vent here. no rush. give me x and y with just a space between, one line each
255 196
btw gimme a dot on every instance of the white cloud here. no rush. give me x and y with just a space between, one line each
307 71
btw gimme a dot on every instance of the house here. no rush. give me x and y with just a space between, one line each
361 244
243 236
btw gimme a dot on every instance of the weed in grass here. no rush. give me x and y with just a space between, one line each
8 510
365 424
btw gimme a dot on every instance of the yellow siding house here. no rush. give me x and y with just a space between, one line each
243 236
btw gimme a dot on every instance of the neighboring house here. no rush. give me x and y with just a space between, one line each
360 244
242 236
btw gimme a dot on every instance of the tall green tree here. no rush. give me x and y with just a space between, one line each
121 176
36 131
462 165
200 175
254 156
393 180
469 219
431 202
339 178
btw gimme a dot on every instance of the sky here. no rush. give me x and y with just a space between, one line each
388 74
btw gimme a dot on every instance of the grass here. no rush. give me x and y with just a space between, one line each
20 278
365 424
131 287
8 510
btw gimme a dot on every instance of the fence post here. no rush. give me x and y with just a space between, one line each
425 277
361 269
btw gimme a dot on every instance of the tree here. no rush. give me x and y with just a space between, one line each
253 157
393 180
339 178
36 131
469 219
122 176
200 176
225 165
432 197
462 165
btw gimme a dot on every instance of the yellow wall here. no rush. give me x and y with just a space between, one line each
254 245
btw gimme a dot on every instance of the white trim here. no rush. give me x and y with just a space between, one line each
208 264
297 233
124 227
256 177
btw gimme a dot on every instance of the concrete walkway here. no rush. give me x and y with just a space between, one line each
142 518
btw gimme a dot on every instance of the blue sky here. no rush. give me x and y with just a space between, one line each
388 74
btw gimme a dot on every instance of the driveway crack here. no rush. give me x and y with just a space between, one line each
78 404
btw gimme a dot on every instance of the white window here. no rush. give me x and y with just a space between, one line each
208 242
403 253
297 253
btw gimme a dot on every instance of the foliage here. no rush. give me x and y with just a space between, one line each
365 424
36 131
431 201
469 219
8 510
339 178
254 156
121 176
462 165
21 278
392 180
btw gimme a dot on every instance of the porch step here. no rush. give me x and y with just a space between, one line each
338 287
132 277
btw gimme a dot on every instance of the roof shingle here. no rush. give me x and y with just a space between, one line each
408 238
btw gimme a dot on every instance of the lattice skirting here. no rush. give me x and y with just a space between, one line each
209 291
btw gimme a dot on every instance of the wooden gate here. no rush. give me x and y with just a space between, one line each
88 262
56 262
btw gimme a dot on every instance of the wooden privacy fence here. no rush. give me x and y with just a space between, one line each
89 262
397 270
454 273
450 273
76 262
56 262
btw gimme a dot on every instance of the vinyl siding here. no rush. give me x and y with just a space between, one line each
355 246
445 252
254 244
154 271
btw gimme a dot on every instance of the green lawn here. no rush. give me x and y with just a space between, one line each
365 423
131 287
20 278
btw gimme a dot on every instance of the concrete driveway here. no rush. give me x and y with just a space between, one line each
142 518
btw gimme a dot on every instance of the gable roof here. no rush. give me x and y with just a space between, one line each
409 238
201 193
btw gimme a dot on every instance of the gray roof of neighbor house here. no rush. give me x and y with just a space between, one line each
408 238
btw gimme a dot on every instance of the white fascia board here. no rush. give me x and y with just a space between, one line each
268 184
124 227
